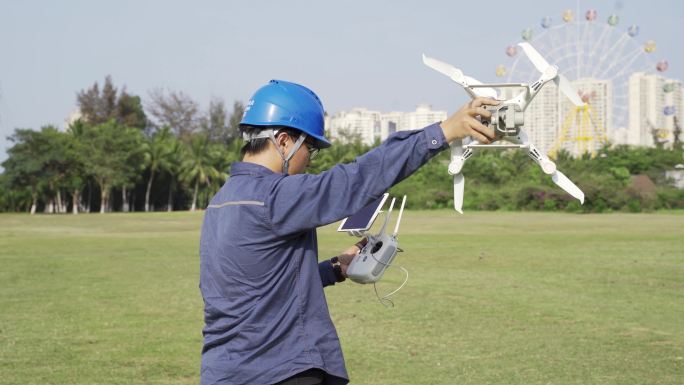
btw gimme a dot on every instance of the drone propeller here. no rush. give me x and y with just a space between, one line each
561 81
567 185
549 168
566 87
447 69
459 189
456 75
535 57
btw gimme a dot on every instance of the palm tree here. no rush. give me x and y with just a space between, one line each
76 175
223 156
158 152
174 168
197 166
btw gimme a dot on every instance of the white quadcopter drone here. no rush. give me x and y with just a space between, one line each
507 120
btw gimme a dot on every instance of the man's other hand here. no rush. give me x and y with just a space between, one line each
348 255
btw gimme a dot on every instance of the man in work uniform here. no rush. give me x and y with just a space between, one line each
266 317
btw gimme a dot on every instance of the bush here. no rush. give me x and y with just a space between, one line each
669 198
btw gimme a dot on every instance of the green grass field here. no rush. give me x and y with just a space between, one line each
493 298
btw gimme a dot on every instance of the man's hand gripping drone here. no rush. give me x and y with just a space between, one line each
507 120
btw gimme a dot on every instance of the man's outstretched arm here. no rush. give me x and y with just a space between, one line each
304 201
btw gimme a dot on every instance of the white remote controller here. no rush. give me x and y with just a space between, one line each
372 261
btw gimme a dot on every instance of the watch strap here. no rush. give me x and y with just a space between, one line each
337 268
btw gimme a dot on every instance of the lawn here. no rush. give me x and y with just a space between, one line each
492 298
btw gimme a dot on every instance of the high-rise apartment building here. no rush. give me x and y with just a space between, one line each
654 101
421 117
369 126
358 123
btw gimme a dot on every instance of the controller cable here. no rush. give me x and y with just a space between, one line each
385 299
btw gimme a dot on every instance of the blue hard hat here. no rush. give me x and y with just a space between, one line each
281 103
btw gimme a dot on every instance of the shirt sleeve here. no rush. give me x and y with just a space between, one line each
325 269
305 201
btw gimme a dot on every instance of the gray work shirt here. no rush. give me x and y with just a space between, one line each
266 317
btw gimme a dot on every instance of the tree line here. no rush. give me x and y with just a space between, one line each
510 180
121 156
171 155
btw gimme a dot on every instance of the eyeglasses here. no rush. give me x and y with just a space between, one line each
313 150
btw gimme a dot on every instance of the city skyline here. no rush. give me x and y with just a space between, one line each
552 122
352 54
370 125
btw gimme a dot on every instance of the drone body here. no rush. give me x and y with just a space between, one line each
507 120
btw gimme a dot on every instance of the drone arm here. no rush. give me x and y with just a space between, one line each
525 98
470 92
549 167
546 164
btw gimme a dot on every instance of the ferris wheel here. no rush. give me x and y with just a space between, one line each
599 57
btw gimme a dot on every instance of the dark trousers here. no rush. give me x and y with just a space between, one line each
309 377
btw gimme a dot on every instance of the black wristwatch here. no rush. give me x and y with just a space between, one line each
337 268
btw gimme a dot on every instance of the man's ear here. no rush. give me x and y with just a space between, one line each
281 138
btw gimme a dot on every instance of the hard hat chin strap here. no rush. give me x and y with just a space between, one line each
293 150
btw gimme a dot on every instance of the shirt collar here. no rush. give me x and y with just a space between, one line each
247 168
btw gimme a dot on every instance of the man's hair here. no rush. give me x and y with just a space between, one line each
256 146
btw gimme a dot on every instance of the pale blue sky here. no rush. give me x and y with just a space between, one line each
352 53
